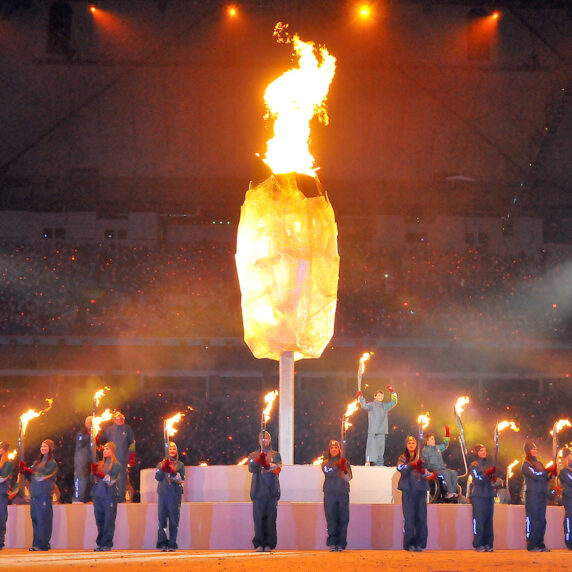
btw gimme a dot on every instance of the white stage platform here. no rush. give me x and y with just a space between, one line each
217 515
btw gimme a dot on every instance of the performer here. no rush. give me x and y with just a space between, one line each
43 477
122 435
82 464
170 475
105 495
482 498
265 465
6 468
337 477
566 483
377 427
413 487
536 481
433 457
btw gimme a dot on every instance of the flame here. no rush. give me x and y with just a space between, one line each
509 469
25 418
292 100
559 425
12 455
170 423
423 420
242 461
97 421
362 361
99 394
460 405
318 461
549 464
269 400
504 424
351 409
203 464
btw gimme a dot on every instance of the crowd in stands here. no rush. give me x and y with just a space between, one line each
182 290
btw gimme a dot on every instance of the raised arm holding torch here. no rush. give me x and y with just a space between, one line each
361 368
423 421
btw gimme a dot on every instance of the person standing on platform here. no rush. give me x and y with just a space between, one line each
536 479
43 477
6 468
124 439
377 428
413 486
82 464
170 475
337 477
265 465
105 494
433 458
566 484
482 498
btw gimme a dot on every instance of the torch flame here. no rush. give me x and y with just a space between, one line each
352 408
362 361
549 464
293 100
318 461
504 424
423 420
170 423
99 394
12 455
203 464
269 400
509 472
460 405
559 425
25 418
242 461
97 421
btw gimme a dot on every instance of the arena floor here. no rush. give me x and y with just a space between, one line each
235 561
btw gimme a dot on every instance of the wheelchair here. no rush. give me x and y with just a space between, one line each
438 490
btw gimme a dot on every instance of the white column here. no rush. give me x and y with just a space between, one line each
286 411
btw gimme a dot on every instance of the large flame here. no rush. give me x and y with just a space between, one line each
12 455
362 361
509 470
98 420
351 409
99 394
293 100
269 400
460 405
170 423
318 461
505 424
559 425
25 418
423 420
243 461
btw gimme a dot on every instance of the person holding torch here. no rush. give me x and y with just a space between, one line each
566 484
377 428
6 468
170 476
337 477
265 465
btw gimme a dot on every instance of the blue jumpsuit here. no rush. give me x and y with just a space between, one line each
566 482
482 496
336 501
41 493
377 427
124 439
82 465
536 480
264 493
413 487
105 497
170 493
5 474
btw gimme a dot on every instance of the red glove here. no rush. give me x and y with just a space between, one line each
131 461
342 464
418 465
390 389
447 431
552 471
490 471
166 466
261 460
359 393
432 476
94 468
24 469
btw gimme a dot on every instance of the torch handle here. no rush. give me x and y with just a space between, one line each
20 441
462 443
165 440
262 431
93 436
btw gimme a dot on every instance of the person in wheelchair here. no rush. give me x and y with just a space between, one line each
433 457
